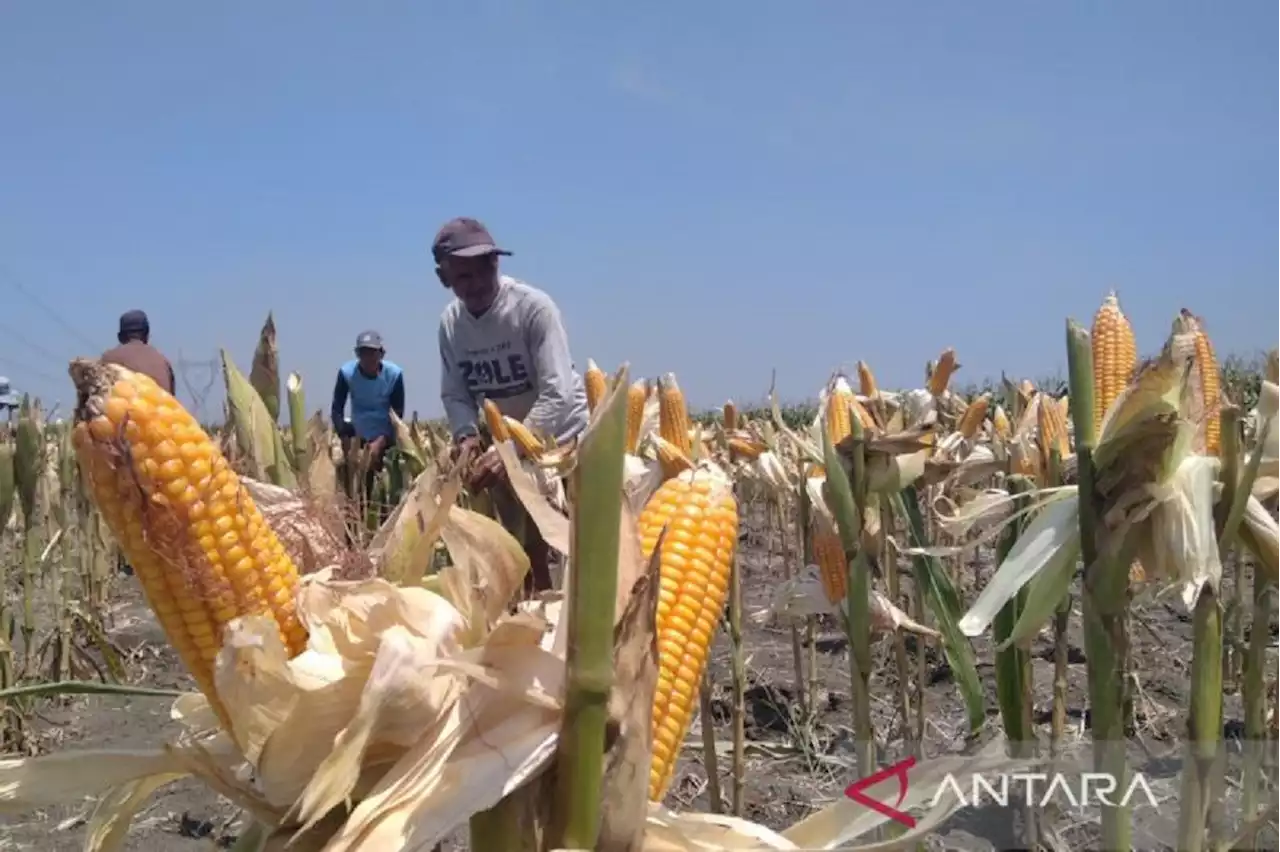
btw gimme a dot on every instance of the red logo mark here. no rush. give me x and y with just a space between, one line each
854 791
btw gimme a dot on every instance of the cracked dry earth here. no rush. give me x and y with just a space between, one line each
791 768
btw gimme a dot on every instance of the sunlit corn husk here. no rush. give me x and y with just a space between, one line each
256 436
197 542
494 420
264 375
28 460
1205 385
1272 371
1267 484
596 384
699 513
946 367
1115 355
389 710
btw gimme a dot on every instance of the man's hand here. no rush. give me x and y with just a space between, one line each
468 446
376 448
487 471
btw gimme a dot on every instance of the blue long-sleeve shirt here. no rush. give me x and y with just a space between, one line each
372 398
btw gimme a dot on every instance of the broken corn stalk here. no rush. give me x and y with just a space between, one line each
196 540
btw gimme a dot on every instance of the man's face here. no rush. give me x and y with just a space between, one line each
369 359
474 280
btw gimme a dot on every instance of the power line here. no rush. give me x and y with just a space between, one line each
9 278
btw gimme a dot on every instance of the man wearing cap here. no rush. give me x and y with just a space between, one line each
502 340
136 353
375 387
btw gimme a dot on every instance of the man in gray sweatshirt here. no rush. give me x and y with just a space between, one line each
501 340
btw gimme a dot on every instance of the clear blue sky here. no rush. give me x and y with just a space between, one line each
714 188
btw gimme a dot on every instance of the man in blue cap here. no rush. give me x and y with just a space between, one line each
375 387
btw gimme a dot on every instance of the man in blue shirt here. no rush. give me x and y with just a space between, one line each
375 387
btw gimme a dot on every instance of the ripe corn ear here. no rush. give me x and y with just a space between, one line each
1115 355
595 383
1053 429
828 553
637 395
1209 381
730 416
196 540
672 460
1000 423
494 420
523 438
866 381
839 414
700 515
942 372
974 413
746 448
673 416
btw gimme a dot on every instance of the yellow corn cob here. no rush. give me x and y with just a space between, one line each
866 381
942 373
974 413
1053 429
700 514
672 460
730 416
493 418
1115 355
828 553
637 395
595 383
1000 423
524 439
747 448
839 414
197 542
673 416
1064 406
1210 382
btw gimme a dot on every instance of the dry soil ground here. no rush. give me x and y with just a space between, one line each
791 768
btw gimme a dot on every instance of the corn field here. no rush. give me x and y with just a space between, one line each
754 609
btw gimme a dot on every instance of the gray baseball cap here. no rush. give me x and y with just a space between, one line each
369 340
464 237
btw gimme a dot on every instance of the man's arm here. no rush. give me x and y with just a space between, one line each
549 345
339 402
459 407
397 396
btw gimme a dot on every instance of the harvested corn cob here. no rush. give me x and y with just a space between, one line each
746 448
196 540
673 425
866 380
672 460
974 413
523 438
1208 381
595 383
637 395
730 416
942 372
493 419
1115 355
700 514
1053 429
1000 423
840 410
828 553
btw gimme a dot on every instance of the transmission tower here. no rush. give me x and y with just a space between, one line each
198 377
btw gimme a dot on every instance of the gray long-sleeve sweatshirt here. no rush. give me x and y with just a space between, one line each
516 354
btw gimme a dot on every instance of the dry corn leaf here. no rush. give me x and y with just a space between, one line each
551 522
